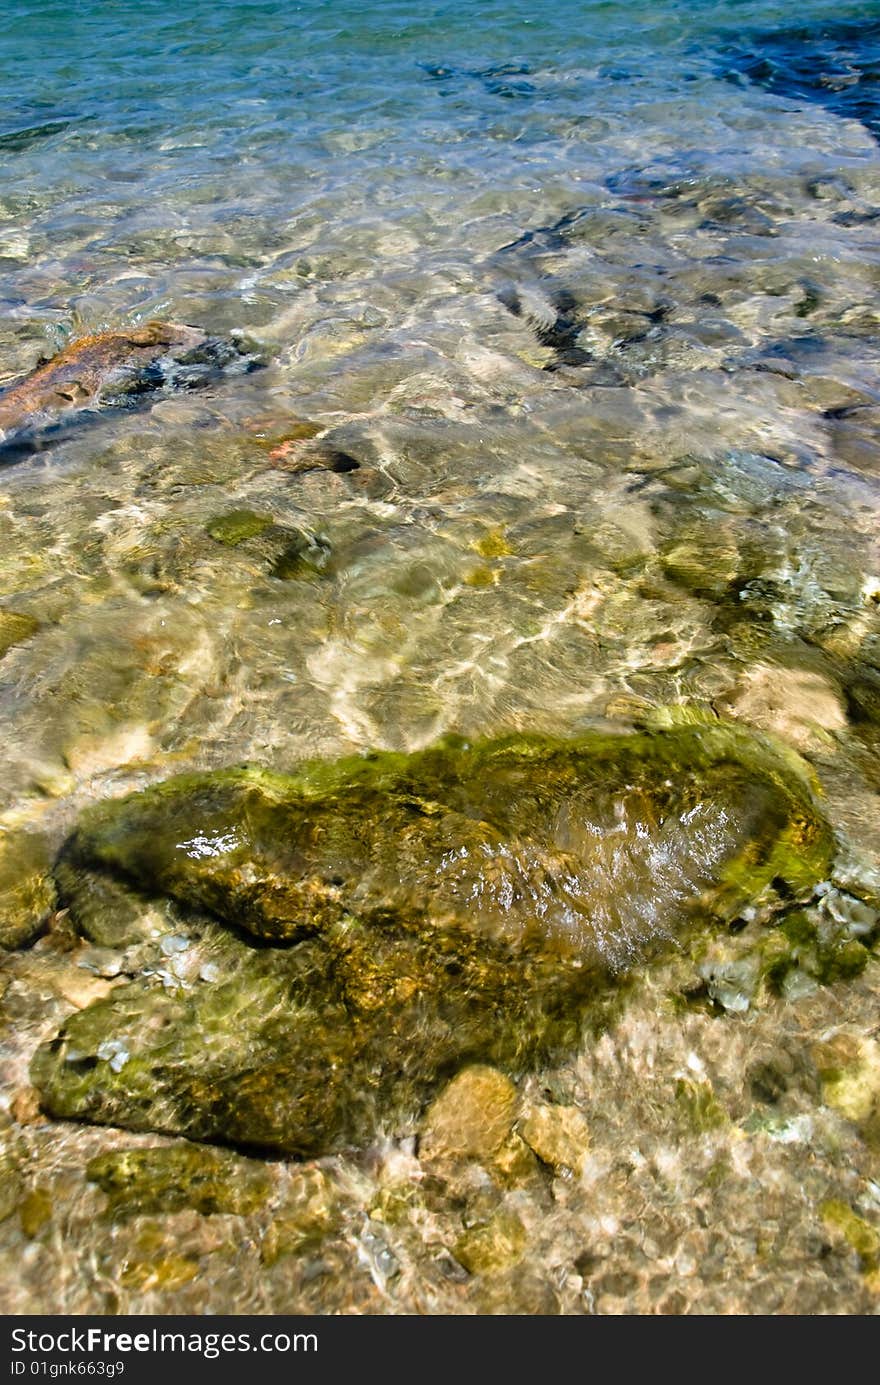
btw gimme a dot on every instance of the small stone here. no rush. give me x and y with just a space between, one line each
80 988
114 1052
472 1116
798 985
34 1211
237 527
61 934
167 1178
858 919
495 1246
849 1069
298 457
15 628
297 554
105 910
732 984
309 1212
559 1135
280 436
25 1106
27 895
382 1261
394 1205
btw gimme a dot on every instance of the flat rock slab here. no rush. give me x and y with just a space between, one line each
121 369
390 918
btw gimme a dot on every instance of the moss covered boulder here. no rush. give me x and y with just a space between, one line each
390 918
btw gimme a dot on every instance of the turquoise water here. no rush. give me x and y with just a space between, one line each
568 325
137 142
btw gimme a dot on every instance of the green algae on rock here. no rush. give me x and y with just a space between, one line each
238 526
461 904
167 1178
588 848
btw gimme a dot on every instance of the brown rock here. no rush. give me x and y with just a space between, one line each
472 1116
25 1106
496 1246
27 894
559 1135
76 376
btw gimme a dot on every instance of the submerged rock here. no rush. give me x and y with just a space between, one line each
495 1246
27 894
169 1178
559 1135
472 1116
849 1070
237 527
310 1211
87 368
115 368
462 904
799 705
35 1212
15 628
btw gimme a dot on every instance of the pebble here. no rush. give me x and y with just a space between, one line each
472 1116
559 1135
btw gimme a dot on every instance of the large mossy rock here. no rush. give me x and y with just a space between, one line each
394 917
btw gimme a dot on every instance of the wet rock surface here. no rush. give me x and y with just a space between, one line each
466 902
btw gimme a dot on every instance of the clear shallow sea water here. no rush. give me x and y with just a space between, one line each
596 316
